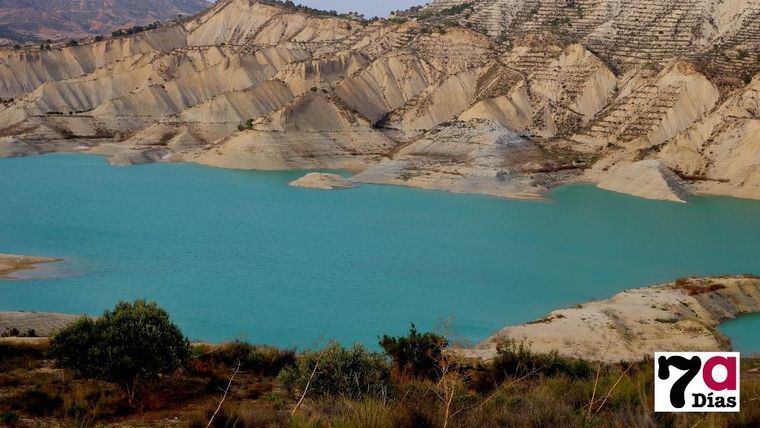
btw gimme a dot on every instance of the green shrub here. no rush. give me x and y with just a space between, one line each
260 360
336 371
516 360
134 343
416 354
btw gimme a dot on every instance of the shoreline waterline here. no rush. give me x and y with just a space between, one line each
235 253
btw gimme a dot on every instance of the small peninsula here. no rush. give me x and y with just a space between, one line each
682 315
10 263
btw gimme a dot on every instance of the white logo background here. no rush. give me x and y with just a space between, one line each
662 388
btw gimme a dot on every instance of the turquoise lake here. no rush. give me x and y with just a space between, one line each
744 333
240 254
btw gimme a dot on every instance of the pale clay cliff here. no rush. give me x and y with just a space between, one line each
502 97
632 325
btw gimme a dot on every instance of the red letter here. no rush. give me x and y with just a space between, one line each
730 365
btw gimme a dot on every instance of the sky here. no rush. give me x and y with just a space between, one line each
369 8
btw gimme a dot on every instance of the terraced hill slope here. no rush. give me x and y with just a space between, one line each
504 97
39 20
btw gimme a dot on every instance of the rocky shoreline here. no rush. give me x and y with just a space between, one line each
677 316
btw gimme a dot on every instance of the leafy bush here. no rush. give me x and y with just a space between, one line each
516 359
134 343
260 360
336 371
417 354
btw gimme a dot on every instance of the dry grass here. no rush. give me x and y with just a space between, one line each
33 392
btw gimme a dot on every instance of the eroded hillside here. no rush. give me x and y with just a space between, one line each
503 97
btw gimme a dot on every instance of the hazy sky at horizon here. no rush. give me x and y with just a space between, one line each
368 8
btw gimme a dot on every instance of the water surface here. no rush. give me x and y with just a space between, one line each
242 254
744 333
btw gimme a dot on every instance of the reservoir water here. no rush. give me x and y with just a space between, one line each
240 254
744 332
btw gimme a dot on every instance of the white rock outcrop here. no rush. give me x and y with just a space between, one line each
647 179
632 325
324 181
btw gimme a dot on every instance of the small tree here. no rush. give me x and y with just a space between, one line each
418 354
132 344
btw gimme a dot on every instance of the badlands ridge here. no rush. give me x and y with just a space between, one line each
503 97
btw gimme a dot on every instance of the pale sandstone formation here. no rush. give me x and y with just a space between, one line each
530 97
321 180
647 179
722 151
632 325
10 263
474 157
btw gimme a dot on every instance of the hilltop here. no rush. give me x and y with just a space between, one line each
39 20
503 97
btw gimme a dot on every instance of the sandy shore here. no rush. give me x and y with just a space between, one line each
676 316
10 263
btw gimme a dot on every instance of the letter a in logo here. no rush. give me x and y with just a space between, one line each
729 383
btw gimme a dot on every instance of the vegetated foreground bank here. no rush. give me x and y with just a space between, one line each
90 376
